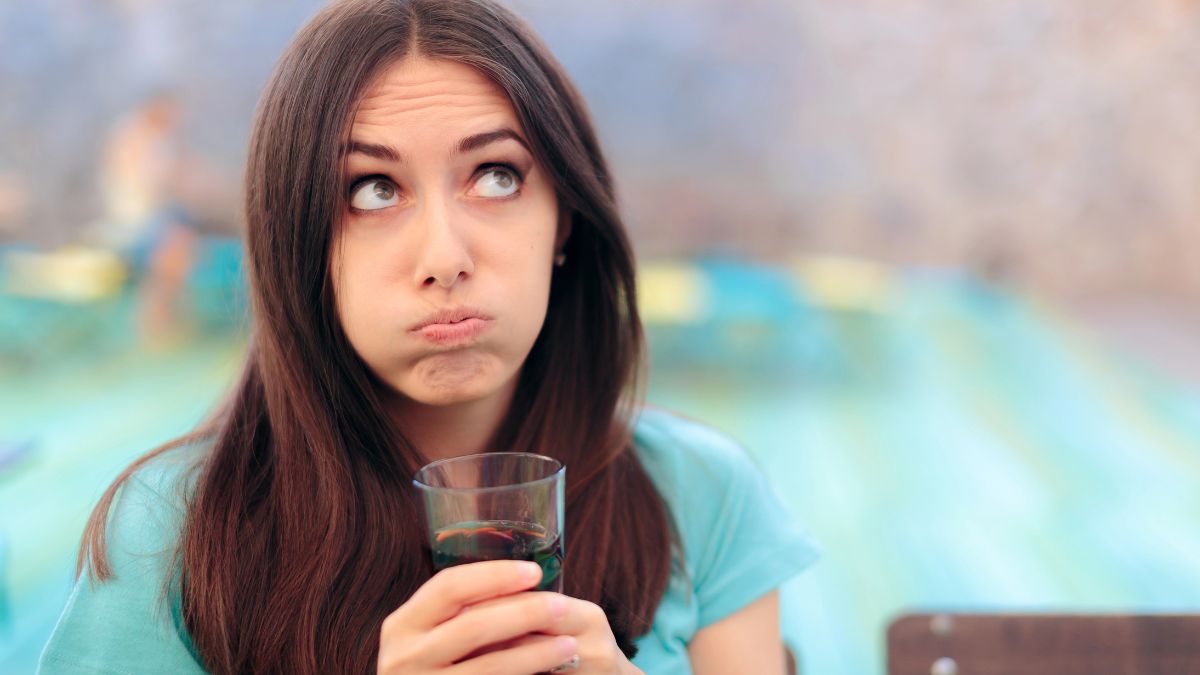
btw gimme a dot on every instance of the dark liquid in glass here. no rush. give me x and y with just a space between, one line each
500 540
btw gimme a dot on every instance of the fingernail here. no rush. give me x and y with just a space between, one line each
567 645
558 606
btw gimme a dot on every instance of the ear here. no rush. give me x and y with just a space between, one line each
566 219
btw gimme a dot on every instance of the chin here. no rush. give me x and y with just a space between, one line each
445 396
451 381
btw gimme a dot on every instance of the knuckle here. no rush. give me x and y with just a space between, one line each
595 612
447 584
447 575
389 624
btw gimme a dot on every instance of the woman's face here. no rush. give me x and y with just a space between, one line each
442 264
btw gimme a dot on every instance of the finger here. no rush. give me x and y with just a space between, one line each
534 654
588 624
508 644
581 618
452 589
492 623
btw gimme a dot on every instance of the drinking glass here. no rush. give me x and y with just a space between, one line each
495 506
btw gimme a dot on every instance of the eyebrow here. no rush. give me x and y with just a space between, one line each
474 142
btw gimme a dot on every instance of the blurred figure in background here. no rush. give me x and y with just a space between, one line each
14 202
142 170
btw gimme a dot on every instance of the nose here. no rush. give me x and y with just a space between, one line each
443 258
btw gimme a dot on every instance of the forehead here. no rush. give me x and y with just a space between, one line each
419 94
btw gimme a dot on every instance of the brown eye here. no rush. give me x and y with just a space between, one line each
373 194
497 181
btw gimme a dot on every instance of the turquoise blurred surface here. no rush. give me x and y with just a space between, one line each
951 445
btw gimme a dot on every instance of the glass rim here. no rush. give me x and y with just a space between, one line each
557 473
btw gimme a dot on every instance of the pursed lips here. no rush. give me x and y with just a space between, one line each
452 326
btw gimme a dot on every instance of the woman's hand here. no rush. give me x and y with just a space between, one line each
582 620
476 619
482 618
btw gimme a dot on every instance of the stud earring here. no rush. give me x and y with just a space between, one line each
560 259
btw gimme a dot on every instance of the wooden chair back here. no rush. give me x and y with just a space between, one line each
1044 644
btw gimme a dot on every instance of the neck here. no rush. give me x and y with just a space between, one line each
454 430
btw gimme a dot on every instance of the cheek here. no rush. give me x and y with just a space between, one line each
520 261
351 299
532 299
337 281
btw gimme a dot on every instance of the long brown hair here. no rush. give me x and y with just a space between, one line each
302 534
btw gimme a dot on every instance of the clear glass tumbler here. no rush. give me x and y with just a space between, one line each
495 506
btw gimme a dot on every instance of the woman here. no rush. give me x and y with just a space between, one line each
437 268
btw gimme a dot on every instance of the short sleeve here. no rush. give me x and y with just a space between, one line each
127 624
740 541
754 546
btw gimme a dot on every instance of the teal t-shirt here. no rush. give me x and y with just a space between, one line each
739 543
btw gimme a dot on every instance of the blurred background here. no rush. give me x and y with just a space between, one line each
934 265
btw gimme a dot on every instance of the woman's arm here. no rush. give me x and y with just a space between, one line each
747 641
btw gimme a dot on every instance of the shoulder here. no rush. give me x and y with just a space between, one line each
132 621
703 475
170 476
682 453
739 537
151 503
146 515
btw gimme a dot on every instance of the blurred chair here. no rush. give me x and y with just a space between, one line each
1043 644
